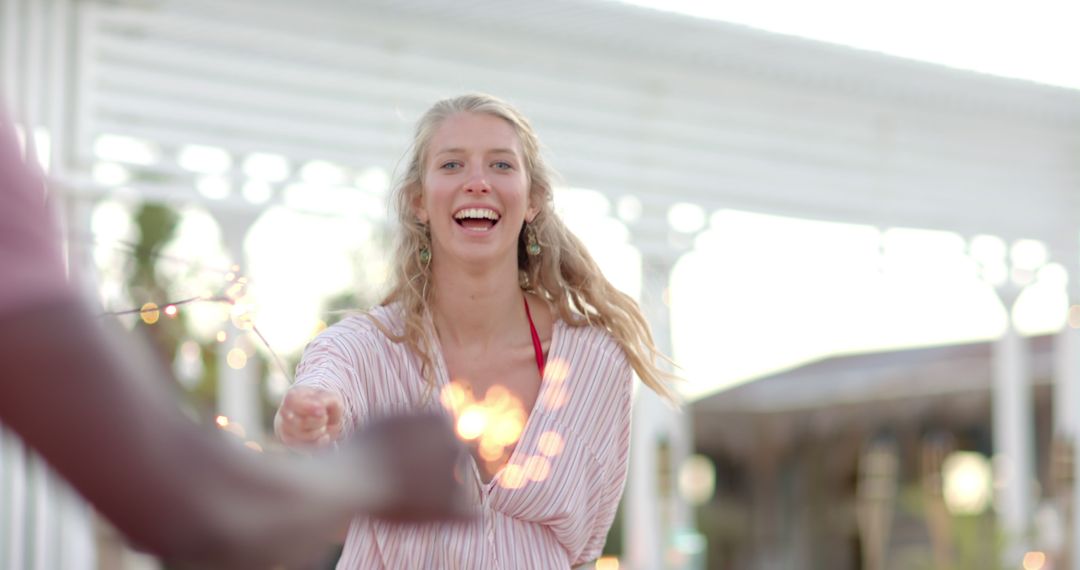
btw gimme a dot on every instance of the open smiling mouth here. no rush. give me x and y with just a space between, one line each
477 219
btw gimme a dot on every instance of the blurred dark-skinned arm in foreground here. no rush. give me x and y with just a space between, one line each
96 407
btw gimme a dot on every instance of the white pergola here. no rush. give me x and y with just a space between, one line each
632 103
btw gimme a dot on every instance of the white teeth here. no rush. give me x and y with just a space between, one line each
477 213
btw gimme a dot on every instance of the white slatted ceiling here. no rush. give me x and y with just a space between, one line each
344 81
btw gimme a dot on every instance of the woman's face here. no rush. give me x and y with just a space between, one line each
475 189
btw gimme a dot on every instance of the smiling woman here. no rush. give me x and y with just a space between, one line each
499 318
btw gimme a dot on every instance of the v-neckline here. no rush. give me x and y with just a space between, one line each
443 380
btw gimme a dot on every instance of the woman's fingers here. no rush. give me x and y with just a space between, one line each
309 416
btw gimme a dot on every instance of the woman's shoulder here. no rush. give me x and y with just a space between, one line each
376 326
591 338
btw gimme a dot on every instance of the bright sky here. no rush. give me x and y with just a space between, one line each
761 293
1035 40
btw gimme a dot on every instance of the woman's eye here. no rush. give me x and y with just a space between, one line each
452 165
503 165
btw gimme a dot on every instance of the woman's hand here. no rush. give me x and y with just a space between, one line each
309 417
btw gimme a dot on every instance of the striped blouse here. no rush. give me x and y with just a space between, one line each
550 507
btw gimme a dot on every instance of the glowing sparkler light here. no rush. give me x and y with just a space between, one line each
498 398
471 423
453 396
550 443
505 428
491 451
149 313
222 421
495 423
171 311
253 446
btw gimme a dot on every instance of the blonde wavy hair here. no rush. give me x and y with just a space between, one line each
564 273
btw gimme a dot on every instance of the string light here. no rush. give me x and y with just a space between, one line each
240 314
149 313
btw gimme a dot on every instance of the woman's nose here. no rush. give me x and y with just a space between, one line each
477 184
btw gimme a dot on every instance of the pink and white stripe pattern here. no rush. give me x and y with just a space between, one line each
578 432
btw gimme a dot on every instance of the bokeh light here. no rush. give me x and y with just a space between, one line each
967 480
242 313
472 422
550 443
537 468
556 370
266 167
1074 316
512 477
237 358
1034 561
149 313
204 159
555 397
110 174
127 149
452 396
607 563
494 423
697 479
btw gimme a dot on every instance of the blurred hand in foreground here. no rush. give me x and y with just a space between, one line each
413 459
309 417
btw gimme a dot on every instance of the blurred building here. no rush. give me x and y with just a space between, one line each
834 462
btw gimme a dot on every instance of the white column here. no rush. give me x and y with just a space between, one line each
238 388
9 51
653 514
642 530
14 512
1014 440
1067 354
1067 375
1066 401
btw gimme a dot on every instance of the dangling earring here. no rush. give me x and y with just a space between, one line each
425 248
532 247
